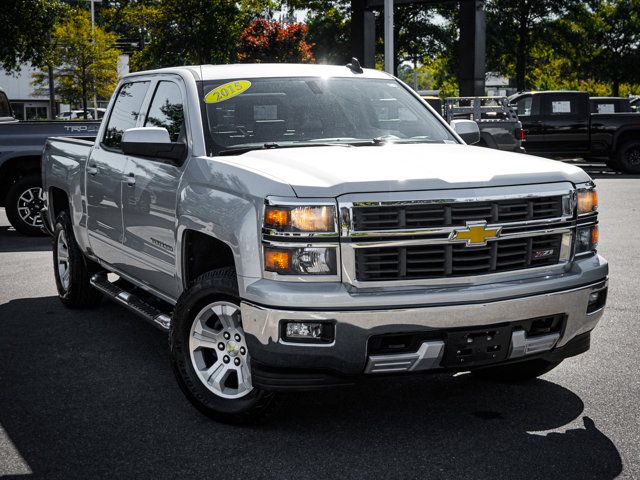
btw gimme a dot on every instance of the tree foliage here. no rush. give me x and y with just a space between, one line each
186 32
26 28
85 63
270 41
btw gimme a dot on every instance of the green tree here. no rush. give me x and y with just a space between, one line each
86 63
184 32
514 28
610 29
26 29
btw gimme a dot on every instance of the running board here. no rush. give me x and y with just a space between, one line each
136 305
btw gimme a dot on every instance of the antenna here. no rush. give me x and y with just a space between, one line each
354 66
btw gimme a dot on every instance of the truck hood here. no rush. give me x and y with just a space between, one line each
336 170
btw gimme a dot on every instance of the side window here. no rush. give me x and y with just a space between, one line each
562 105
5 109
166 111
524 106
125 112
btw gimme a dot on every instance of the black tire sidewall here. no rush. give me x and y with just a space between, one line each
214 286
11 205
621 162
80 293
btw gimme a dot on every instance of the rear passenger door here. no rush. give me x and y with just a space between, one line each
104 171
149 194
566 122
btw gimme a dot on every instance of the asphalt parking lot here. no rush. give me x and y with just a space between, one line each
91 395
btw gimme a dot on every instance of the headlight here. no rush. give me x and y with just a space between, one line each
300 261
587 201
292 219
587 239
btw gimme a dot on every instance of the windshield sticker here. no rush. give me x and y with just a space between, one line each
227 91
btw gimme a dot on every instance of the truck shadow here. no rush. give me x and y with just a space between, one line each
12 241
91 395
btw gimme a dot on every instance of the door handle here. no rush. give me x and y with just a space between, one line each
92 170
131 179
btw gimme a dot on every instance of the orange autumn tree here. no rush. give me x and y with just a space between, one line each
269 41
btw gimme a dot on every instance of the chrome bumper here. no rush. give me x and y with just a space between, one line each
348 353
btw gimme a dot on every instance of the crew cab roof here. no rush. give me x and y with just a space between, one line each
266 70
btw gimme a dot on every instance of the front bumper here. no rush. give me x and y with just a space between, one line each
348 355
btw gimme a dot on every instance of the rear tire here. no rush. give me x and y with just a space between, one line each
209 353
517 372
23 204
628 157
72 270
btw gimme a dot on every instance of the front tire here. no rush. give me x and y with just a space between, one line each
23 204
628 157
517 372
209 353
72 270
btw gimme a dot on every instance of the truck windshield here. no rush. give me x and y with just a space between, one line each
270 112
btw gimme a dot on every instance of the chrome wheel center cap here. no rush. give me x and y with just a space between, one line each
232 348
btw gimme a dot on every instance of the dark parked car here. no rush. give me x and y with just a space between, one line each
559 124
21 145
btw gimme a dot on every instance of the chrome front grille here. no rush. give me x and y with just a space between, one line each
447 260
419 237
429 215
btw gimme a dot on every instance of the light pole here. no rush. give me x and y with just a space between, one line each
388 36
93 40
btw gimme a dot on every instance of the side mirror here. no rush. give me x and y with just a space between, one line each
153 142
467 129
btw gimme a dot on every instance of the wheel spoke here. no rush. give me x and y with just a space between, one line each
225 313
202 340
244 376
219 376
26 198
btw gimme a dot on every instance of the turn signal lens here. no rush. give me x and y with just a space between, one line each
276 217
587 239
595 236
587 201
301 261
300 219
277 260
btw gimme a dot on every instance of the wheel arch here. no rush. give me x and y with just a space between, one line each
14 168
201 253
624 136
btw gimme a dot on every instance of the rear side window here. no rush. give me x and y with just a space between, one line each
167 111
125 113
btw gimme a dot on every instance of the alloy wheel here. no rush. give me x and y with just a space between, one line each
218 350
30 203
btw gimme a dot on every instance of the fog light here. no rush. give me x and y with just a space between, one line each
308 332
597 300
304 330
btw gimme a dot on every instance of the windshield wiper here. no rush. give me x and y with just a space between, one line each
272 145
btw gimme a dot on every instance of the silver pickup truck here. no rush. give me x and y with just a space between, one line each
306 226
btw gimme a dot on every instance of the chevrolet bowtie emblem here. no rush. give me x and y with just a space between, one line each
476 234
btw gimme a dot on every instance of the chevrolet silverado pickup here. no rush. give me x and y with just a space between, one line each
21 145
559 124
308 226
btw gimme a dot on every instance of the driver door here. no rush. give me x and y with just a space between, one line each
149 197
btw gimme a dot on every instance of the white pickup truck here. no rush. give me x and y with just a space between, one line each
305 226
